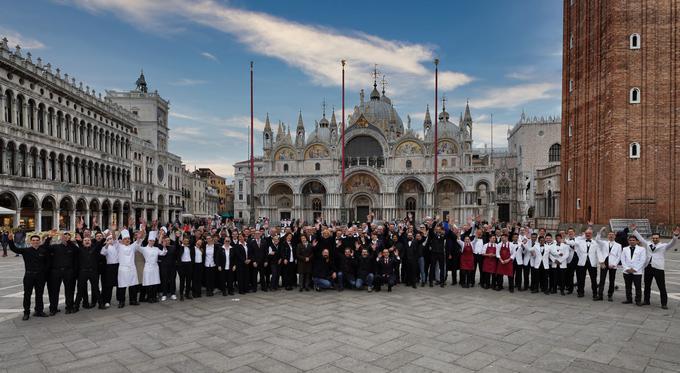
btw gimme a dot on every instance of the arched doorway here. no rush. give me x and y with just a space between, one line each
361 190
106 214
29 206
411 199
49 208
280 198
95 212
450 198
161 209
313 200
126 213
66 214
9 201
117 213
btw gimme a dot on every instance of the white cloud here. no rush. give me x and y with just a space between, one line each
515 96
14 38
184 82
175 114
316 50
522 73
481 133
209 56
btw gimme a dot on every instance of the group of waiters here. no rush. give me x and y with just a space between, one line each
215 257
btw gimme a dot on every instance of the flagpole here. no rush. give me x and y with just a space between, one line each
436 132
252 156
343 213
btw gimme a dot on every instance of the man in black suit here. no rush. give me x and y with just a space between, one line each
385 270
185 260
257 253
412 252
36 265
89 253
64 258
225 259
241 263
168 268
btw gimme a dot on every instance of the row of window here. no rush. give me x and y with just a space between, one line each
25 113
633 41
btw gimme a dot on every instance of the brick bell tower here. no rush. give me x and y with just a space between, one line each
620 108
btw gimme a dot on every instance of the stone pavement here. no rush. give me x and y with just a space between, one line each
445 330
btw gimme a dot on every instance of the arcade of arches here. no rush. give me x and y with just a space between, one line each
35 213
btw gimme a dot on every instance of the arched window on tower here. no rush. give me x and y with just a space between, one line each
411 205
634 150
635 41
635 95
554 153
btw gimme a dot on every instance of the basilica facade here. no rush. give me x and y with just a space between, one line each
389 168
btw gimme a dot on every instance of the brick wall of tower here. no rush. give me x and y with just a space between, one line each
603 68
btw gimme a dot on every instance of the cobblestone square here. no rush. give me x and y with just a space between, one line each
428 329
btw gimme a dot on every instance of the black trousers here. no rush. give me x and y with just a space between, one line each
289 274
498 282
57 276
479 259
581 278
226 282
486 279
109 281
186 273
210 279
467 278
306 280
660 277
169 279
569 273
389 280
133 290
521 273
260 271
437 259
34 281
243 278
631 280
411 271
539 279
556 279
84 277
197 280
275 270
604 273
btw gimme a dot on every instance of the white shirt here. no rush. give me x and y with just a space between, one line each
186 255
111 255
291 252
227 262
198 256
586 250
609 251
210 256
478 246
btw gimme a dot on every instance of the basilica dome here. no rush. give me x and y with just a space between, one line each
378 111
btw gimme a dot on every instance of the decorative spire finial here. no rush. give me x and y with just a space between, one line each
383 84
444 103
375 75
323 105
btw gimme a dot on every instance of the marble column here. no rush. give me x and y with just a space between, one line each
72 221
38 220
55 218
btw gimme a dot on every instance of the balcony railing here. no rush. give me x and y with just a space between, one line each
376 162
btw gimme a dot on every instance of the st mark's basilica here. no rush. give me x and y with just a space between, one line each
389 168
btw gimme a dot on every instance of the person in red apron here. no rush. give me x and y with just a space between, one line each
467 262
489 264
506 256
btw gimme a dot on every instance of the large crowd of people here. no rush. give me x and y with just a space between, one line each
143 262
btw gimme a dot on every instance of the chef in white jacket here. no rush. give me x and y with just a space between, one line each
633 259
654 266
151 277
608 256
127 273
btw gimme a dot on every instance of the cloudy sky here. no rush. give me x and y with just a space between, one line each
503 56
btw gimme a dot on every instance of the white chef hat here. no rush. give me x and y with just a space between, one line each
125 234
153 235
164 229
106 232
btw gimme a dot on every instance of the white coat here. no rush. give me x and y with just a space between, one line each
541 255
152 274
558 254
610 250
657 256
635 261
127 272
586 251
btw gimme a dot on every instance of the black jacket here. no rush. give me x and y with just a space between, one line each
221 257
323 268
35 260
88 257
63 255
365 266
386 268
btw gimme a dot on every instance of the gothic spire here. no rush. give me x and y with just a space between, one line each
299 123
141 83
267 125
